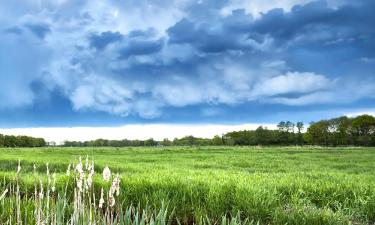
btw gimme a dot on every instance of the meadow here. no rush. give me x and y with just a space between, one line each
202 185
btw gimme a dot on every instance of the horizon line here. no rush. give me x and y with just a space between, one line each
132 131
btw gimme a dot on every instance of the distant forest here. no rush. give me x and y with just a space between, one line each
341 131
21 141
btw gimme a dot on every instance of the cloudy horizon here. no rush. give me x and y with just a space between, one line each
157 131
131 132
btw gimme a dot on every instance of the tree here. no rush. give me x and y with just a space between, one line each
283 132
262 136
244 137
290 127
166 142
281 126
300 127
318 133
10 141
99 143
150 142
217 140
341 129
41 142
364 129
1 140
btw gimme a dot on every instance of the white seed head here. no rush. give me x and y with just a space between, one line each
106 174
53 188
41 191
19 166
115 188
79 168
89 181
101 200
111 199
68 170
91 169
47 169
79 184
41 195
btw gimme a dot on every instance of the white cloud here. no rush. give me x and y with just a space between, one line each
179 94
323 97
103 94
257 7
291 82
333 92
361 112
126 16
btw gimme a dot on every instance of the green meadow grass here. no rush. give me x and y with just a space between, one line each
266 185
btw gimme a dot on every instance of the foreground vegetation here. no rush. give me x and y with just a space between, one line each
207 185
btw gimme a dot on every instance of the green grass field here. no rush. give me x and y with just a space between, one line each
265 185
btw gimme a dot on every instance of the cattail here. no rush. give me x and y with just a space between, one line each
91 168
111 200
90 175
79 184
115 189
101 200
41 194
116 185
106 174
19 166
47 169
81 173
68 170
79 167
54 182
3 195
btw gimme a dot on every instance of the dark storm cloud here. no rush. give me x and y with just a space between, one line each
38 29
315 26
141 47
100 41
13 30
229 33
305 26
137 42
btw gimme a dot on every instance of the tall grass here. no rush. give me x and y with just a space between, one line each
81 204
197 185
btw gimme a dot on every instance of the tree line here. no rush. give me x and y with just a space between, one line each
20 141
341 131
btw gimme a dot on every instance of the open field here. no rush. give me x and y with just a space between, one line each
265 185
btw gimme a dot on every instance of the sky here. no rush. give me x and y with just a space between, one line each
225 63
